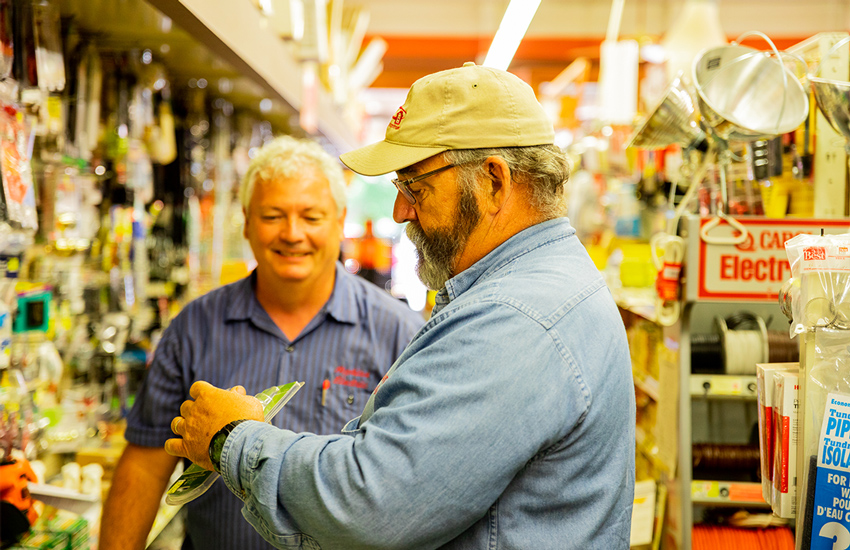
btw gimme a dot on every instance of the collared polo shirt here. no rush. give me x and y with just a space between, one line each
226 338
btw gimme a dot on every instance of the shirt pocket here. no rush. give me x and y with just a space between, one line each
343 395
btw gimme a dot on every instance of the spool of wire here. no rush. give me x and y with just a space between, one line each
737 348
712 537
742 349
706 354
781 348
726 457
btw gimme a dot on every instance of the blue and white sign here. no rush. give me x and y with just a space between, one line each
831 521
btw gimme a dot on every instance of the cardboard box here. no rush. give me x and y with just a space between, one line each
764 372
786 403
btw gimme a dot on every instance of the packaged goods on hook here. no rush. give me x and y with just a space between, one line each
825 488
48 46
785 428
822 266
767 436
15 152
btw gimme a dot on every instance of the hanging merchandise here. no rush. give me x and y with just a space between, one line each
767 413
48 46
672 121
139 171
198 162
159 135
7 43
827 442
819 309
193 237
18 192
22 431
744 95
223 176
783 498
822 266
23 63
85 112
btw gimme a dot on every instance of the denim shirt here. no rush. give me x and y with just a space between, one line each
507 423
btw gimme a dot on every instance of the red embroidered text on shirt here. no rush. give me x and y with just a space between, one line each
349 377
342 371
340 381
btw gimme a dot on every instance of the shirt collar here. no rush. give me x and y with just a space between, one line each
342 305
523 242
242 299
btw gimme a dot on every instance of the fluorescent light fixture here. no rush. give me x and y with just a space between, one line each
511 30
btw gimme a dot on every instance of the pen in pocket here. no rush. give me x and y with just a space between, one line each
326 385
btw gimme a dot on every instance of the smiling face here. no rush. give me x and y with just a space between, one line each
294 230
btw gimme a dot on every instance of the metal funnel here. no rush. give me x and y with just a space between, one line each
833 99
744 96
672 121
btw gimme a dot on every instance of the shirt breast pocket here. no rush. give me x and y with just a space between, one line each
344 394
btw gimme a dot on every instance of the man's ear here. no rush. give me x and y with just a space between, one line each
498 183
245 225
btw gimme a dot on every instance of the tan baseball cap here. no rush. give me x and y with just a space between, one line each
472 107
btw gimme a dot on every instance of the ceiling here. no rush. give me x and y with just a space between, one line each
132 26
423 36
432 35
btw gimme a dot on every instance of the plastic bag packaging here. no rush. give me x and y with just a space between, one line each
819 292
15 170
48 46
828 374
195 481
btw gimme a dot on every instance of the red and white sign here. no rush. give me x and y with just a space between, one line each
755 269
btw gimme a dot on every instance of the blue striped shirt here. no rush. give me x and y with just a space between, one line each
226 338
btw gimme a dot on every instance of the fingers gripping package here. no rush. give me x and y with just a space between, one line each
195 481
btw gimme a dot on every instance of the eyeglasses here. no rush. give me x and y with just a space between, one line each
403 186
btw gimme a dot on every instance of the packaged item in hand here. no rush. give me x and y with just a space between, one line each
195 481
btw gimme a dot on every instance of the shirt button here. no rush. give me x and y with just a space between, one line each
290 349
350 399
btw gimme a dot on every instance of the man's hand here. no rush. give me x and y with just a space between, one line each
199 420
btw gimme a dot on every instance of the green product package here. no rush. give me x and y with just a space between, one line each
42 541
195 481
73 529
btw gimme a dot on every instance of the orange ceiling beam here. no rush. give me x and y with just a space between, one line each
411 57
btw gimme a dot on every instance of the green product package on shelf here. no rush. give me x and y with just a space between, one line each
195 481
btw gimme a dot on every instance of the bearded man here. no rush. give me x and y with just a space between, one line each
508 421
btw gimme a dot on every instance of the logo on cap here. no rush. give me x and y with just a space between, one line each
397 118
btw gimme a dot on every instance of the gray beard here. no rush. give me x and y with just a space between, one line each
437 253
